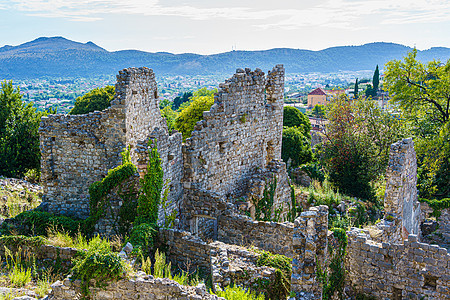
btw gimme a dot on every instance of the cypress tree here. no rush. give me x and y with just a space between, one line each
376 79
356 88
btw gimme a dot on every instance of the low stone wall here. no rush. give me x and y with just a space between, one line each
411 270
140 286
184 250
270 236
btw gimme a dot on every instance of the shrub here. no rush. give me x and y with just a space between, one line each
292 117
142 236
295 146
96 99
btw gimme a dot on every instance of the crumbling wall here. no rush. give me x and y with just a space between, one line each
241 132
269 236
310 243
411 270
401 205
75 152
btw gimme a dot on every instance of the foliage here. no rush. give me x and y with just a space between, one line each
279 288
142 236
292 117
376 79
181 99
19 137
264 206
355 91
295 146
238 293
151 188
314 171
276 261
36 222
333 281
324 194
96 99
318 111
356 149
98 191
420 89
170 116
293 209
202 100
99 263
437 205
169 219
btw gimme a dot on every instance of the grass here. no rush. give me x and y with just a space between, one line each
238 293
17 201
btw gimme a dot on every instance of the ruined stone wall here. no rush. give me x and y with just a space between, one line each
75 152
401 205
411 270
269 236
241 132
310 243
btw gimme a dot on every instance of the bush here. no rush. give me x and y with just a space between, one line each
96 99
295 146
202 101
143 235
292 117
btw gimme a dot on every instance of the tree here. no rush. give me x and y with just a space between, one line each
19 136
318 111
376 79
96 99
202 100
420 90
170 116
292 117
295 146
180 100
355 92
356 149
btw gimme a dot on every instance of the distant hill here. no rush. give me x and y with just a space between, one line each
60 57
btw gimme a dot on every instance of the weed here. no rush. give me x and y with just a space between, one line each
238 293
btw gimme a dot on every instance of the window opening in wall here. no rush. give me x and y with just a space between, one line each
430 282
396 294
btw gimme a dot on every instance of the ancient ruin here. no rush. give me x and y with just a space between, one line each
215 176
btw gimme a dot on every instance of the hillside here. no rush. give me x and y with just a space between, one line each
59 57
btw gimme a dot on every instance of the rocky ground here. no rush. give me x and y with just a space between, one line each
17 195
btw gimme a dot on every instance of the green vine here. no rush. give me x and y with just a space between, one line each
333 281
99 190
280 285
264 206
169 219
293 210
151 188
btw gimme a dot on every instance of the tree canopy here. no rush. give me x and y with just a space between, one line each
181 99
96 99
292 117
295 147
201 101
19 136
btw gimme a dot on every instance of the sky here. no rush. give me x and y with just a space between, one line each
213 26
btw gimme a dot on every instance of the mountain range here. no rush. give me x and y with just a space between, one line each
60 57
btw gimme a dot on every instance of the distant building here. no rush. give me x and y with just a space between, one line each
322 97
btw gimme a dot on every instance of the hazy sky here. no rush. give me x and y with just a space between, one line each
212 26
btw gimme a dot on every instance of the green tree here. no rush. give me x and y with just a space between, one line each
292 117
96 99
376 79
295 146
422 92
202 100
170 116
19 136
356 150
318 111
181 99
355 92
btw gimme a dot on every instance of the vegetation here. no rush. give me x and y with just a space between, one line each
358 139
19 137
264 207
179 100
318 111
96 99
201 101
437 205
295 147
292 117
238 293
170 117
280 287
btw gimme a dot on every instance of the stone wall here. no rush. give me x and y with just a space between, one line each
75 152
241 132
140 286
269 236
411 270
310 243
401 205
